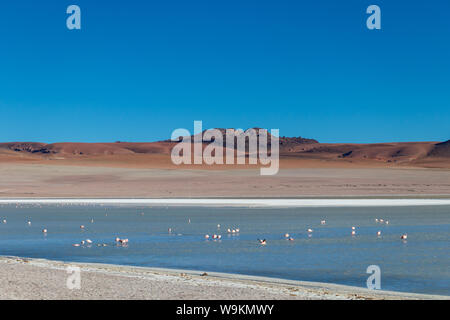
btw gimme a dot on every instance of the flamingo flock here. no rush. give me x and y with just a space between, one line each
262 242
378 220
288 237
121 241
230 231
233 231
214 236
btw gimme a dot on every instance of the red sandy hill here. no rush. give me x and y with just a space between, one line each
422 154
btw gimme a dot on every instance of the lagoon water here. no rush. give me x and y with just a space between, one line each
330 254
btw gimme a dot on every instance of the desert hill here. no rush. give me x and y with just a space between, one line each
292 149
441 150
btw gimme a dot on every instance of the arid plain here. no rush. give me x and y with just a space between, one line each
145 170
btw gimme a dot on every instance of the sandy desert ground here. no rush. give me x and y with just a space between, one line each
37 180
307 169
69 181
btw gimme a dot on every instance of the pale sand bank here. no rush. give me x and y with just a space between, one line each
239 202
22 278
50 181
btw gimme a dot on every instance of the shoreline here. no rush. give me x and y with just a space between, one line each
47 278
242 202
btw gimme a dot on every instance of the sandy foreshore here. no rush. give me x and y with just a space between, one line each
64 181
22 278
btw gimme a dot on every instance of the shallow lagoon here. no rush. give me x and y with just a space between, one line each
330 254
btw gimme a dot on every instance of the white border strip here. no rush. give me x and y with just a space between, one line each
241 202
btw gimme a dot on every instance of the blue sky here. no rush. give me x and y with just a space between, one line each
137 69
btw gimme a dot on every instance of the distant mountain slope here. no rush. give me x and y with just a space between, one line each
441 150
414 153
286 143
86 149
32 147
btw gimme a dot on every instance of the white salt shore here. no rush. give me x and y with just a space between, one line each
38 279
239 202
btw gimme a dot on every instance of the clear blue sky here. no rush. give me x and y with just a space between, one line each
139 69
